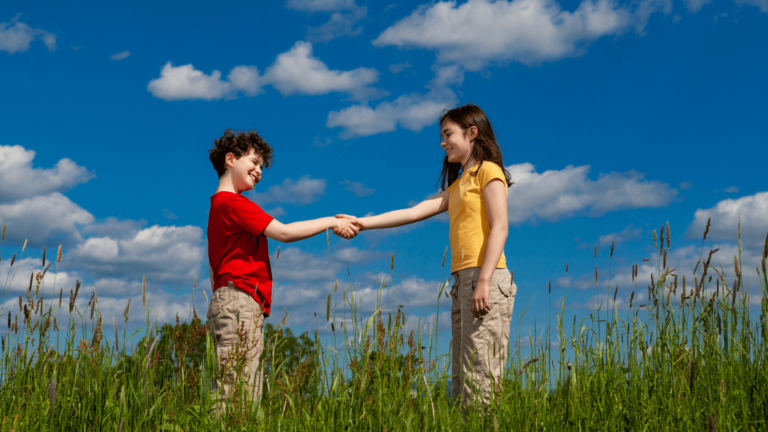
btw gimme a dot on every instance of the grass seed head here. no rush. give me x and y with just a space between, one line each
127 308
3 232
668 236
765 248
328 308
13 258
706 230
550 287
58 255
566 268
43 256
278 254
445 252
144 291
613 243
654 239
736 266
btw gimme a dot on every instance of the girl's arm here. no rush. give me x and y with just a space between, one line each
425 209
496 203
292 232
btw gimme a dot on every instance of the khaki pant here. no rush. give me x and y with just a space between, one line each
479 346
236 322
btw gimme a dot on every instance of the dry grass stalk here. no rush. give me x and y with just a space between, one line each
550 291
58 255
445 252
144 291
127 308
328 308
595 274
61 294
114 324
613 243
43 256
522 368
668 236
595 251
706 230
23 248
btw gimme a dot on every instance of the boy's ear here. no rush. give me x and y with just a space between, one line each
229 160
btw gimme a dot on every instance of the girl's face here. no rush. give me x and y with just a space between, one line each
457 142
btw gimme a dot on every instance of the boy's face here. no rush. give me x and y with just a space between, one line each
245 171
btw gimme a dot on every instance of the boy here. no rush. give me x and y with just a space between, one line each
241 275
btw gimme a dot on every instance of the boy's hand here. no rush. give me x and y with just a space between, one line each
480 304
355 221
345 228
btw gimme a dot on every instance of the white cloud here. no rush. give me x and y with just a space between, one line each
340 24
412 111
168 254
44 219
355 255
357 188
762 4
554 194
20 180
627 233
725 220
303 191
732 189
16 36
297 71
186 82
694 6
114 228
320 5
399 67
122 55
528 31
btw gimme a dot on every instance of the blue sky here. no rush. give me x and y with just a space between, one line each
614 118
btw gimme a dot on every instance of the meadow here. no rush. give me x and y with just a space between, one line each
691 357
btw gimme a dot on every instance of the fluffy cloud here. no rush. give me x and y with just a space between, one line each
554 194
303 191
16 36
20 180
44 219
161 253
122 55
186 82
355 255
622 236
527 31
762 4
297 71
340 24
357 188
412 111
725 221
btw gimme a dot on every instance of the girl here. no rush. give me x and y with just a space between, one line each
474 186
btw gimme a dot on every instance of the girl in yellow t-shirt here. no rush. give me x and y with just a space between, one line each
474 186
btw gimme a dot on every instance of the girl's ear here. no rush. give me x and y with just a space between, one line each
472 132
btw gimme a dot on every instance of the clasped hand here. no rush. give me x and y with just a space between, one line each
347 226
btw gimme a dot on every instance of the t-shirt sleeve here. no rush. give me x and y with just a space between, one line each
249 217
490 171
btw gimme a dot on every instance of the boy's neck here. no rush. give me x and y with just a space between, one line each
226 184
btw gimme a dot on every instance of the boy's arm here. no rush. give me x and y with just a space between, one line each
425 209
292 232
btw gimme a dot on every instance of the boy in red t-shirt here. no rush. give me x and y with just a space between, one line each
241 276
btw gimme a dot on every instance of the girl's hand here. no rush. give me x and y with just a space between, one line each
355 221
479 301
345 228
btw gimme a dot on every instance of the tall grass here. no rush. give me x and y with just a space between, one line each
691 357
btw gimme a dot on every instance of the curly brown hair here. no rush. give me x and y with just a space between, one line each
240 144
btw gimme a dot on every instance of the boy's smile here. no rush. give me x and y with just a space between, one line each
245 171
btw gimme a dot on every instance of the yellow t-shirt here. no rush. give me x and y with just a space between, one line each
468 214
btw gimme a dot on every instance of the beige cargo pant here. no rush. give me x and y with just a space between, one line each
236 323
479 346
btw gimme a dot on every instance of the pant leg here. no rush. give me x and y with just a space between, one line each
480 345
236 322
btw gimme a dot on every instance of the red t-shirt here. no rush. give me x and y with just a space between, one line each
237 246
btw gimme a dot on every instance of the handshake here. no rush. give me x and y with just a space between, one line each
347 226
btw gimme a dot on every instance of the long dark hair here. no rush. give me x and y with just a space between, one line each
485 148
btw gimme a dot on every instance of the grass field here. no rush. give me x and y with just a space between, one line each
693 357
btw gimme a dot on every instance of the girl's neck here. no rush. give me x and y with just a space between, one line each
469 164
